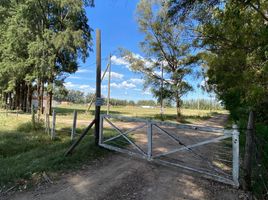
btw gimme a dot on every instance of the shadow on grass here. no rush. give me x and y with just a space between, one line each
184 119
23 154
69 111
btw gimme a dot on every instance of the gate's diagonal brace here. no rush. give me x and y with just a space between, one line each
80 138
171 136
189 147
121 134
193 145
125 133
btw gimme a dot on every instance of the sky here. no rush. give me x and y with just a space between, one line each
117 22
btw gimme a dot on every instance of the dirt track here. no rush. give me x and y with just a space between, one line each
119 177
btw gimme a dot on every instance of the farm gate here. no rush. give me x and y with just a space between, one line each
210 151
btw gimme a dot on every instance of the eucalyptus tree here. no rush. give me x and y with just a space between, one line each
164 48
63 35
15 37
233 36
41 43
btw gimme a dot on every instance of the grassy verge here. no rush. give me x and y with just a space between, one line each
26 152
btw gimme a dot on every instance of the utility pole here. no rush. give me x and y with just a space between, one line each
98 85
109 85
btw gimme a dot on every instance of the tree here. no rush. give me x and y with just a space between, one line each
165 48
40 44
146 103
231 53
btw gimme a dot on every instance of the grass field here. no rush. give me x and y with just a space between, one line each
188 115
25 152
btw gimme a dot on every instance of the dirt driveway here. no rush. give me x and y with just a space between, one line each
119 177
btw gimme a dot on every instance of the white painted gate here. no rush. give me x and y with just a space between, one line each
211 152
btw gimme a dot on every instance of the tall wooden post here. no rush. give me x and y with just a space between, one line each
74 126
109 86
98 85
248 152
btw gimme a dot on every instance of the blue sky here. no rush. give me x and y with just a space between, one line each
116 19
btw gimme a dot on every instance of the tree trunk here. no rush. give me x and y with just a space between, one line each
39 100
42 97
17 96
248 152
50 96
25 95
10 100
29 98
6 99
21 96
178 105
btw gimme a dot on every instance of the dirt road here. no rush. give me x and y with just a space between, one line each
119 177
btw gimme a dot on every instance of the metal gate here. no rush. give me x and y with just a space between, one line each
210 151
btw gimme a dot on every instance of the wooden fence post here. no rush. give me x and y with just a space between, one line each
74 125
248 152
53 134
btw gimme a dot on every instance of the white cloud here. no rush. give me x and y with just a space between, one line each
70 85
119 61
83 88
82 71
136 80
123 85
114 75
123 61
74 77
104 87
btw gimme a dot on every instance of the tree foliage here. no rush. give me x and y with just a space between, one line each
164 47
41 42
233 38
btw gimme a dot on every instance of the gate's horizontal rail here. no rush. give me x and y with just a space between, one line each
194 145
203 173
131 153
172 124
126 132
124 136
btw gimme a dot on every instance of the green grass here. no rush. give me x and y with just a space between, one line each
188 115
26 152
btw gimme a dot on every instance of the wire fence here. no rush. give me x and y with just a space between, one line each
56 126
259 168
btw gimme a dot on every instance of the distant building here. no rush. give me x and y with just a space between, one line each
65 103
45 98
35 102
147 106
